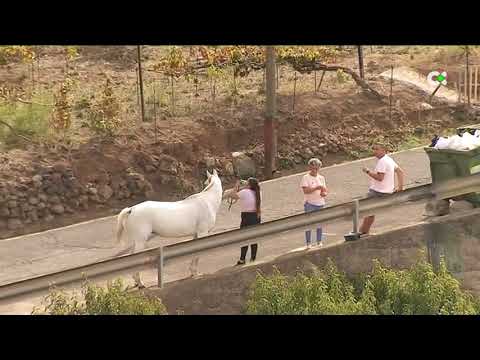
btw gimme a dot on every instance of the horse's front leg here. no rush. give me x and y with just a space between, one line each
194 263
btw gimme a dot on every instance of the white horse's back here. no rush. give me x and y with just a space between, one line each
166 219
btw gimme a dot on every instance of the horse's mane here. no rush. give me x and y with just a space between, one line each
210 184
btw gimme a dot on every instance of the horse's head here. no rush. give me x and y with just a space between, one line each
211 177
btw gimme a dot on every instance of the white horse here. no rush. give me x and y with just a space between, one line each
195 216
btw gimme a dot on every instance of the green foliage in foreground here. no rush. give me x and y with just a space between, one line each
112 300
416 291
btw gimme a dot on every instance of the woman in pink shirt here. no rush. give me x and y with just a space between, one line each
250 204
314 193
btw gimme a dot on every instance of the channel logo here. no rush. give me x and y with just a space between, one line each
436 78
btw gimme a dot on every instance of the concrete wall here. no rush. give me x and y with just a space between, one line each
456 237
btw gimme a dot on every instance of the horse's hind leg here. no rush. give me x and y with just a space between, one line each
194 263
140 244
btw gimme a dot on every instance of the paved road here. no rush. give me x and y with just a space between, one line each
79 244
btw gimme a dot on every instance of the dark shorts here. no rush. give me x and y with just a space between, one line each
249 218
374 194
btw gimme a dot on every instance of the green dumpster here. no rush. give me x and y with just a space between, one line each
447 164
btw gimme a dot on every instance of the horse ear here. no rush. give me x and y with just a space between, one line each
215 172
209 175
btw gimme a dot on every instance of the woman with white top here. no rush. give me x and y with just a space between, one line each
250 204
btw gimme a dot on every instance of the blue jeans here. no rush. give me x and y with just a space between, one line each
308 234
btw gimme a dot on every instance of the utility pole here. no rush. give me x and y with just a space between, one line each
140 79
269 133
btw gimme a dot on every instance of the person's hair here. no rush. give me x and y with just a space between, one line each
380 145
315 162
255 186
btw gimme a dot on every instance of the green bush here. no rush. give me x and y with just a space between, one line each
418 290
30 120
113 300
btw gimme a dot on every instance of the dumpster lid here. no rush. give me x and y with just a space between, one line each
468 127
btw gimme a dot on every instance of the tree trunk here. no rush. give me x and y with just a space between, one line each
360 62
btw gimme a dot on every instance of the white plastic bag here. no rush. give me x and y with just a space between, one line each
442 143
456 143
467 141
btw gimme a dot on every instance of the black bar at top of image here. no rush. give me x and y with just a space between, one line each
302 34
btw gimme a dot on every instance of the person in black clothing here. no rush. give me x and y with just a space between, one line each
250 205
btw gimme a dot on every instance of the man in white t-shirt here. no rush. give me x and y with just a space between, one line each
314 193
382 180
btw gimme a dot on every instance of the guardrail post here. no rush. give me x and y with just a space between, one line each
356 215
160 267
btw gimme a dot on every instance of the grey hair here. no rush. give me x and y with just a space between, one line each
315 162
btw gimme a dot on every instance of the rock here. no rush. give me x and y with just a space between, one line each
95 198
425 106
14 224
308 153
243 165
83 199
15 212
57 209
51 189
33 215
57 178
37 178
92 191
43 197
3 224
12 204
25 207
49 218
69 210
4 212
33 200
150 169
210 162
41 206
105 192
74 203
229 169
60 167
54 199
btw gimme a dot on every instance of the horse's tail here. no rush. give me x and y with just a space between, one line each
121 222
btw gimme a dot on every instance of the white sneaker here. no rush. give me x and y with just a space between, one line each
320 244
309 246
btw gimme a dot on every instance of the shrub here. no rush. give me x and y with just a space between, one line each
31 120
112 300
104 113
416 291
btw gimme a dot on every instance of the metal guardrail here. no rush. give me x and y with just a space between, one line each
156 257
